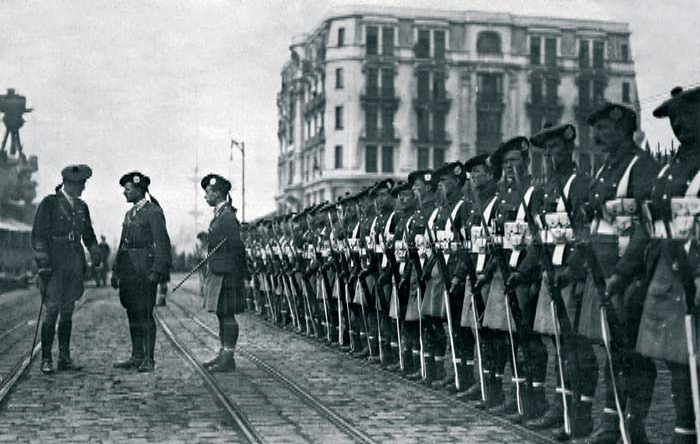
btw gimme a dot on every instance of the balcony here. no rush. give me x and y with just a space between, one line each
433 138
378 98
380 136
316 103
313 141
490 102
432 102
547 106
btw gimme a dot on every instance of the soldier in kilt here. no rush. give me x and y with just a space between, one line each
558 248
673 262
224 287
483 181
616 198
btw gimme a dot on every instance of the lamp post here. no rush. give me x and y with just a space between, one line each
241 147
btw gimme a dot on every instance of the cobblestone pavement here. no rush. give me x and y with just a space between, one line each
18 316
384 407
102 404
659 424
173 405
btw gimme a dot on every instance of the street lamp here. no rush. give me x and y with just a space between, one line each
241 147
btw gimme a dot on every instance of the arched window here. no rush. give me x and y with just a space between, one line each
488 42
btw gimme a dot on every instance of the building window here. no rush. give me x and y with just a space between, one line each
625 52
372 40
550 51
372 82
439 85
388 41
341 37
290 177
552 87
339 117
338 157
598 92
488 43
598 54
423 117
584 135
535 123
536 90
490 88
339 78
423 85
584 55
439 126
626 92
584 93
423 158
371 122
387 159
535 50
371 159
438 157
388 82
439 43
422 48
387 123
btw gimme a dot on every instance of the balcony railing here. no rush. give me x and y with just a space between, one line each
316 102
315 140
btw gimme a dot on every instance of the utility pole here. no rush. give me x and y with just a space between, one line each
241 147
195 180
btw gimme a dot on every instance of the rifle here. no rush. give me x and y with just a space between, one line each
480 308
199 265
599 280
686 275
413 255
393 264
447 281
560 318
511 298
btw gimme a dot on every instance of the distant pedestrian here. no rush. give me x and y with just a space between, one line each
224 290
101 269
143 261
61 223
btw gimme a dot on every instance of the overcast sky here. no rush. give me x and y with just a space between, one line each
151 85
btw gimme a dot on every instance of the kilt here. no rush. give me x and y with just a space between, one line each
662 327
360 297
412 309
543 315
434 300
229 299
467 319
495 315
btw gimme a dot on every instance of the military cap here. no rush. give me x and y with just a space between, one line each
481 159
616 112
385 184
425 175
139 180
565 132
519 143
678 96
399 188
217 182
453 169
76 173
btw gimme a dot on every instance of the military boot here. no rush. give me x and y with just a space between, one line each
417 373
134 361
65 363
47 333
212 362
227 362
536 404
510 406
494 392
684 436
609 431
553 417
582 423
148 364
442 377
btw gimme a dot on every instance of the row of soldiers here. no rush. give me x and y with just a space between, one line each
457 273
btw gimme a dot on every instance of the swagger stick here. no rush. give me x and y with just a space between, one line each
200 264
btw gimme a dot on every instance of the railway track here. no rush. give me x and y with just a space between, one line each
323 412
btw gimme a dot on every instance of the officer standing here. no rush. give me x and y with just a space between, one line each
224 290
101 274
143 261
61 222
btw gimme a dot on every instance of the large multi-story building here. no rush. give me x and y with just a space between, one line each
375 92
